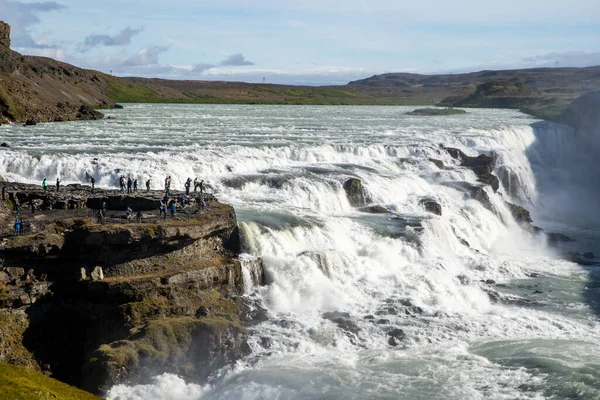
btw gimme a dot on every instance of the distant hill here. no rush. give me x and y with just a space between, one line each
544 92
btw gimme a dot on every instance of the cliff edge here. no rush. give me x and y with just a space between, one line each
96 304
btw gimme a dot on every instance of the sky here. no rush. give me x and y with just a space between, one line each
305 42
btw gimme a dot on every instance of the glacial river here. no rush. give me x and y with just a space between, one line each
406 305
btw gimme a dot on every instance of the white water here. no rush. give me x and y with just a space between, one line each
283 169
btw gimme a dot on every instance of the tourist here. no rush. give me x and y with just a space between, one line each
202 204
129 184
3 191
148 185
122 184
138 216
32 206
57 185
187 185
163 211
101 215
93 182
195 184
173 209
45 185
201 184
128 212
17 227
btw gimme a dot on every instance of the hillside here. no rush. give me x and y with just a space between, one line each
543 92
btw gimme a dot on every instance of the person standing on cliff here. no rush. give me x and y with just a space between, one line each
3 191
202 186
148 185
93 181
57 185
173 209
129 183
195 184
135 185
188 183
17 227
45 185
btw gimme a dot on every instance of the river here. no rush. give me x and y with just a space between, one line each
371 306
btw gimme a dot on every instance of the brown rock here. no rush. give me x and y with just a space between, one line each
355 192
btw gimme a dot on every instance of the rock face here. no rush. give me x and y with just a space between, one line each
482 166
520 214
101 304
4 35
355 192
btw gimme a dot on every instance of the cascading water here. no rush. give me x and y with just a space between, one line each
400 305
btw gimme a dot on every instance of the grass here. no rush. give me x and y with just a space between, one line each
7 105
19 383
258 95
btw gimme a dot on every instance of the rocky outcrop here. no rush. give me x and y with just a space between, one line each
376 209
100 304
482 166
520 214
4 35
431 206
39 89
355 192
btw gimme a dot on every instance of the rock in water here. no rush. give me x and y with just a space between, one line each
88 113
432 206
97 274
30 122
355 192
520 214
4 144
396 336
375 210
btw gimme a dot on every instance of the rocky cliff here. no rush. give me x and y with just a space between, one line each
98 304
40 89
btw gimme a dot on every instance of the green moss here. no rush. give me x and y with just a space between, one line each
18 383
12 327
137 312
131 93
7 105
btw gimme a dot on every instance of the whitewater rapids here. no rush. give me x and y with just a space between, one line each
342 283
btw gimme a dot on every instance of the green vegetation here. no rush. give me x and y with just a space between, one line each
7 106
19 383
437 111
132 93
267 94
12 326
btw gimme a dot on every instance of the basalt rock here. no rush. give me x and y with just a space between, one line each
164 296
375 210
520 214
355 192
482 166
431 206
88 113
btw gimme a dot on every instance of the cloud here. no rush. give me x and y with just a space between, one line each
146 56
566 59
22 17
235 60
122 38
199 68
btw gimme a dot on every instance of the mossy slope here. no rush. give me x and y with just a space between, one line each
19 383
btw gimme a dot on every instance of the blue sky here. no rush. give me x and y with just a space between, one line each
305 42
